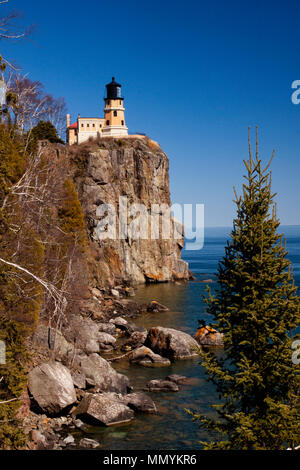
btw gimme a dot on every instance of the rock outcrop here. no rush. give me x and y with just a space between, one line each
171 343
138 169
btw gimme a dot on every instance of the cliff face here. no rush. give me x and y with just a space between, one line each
138 169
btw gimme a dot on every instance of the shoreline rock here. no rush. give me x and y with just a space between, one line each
52 387
207 336
145 357
105 409
171 343
161 386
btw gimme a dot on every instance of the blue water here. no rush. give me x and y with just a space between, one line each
172 428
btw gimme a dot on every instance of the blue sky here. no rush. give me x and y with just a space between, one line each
195 75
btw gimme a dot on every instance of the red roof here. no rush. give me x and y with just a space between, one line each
73 126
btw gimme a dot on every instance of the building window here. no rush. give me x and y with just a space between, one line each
107 122
120 102
100 125
93 125
82 125
87 125
118 92
122 123
115 113
108 103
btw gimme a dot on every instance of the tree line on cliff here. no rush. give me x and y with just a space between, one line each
42 230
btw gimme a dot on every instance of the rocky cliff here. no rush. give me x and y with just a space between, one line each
138 169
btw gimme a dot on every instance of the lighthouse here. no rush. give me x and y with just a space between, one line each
114 118
112 125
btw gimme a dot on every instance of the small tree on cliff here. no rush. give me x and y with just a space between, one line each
256 308
45 130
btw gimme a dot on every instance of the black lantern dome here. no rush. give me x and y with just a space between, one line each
113 90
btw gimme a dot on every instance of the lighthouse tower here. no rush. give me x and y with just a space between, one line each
114 120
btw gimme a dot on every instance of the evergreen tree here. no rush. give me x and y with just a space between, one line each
45 130
256 308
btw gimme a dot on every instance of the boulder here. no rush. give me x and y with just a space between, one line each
88 443
105 408
132 327
84 332
155 306
107 328
106 338
161 386
102 375
118 322
127 327
171 343
140 402
177 379
207 336
145 357
38 439
96 293
135 341
69 440
53 340
115 293
79 380
52 387
80 425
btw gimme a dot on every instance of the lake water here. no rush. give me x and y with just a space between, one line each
172 428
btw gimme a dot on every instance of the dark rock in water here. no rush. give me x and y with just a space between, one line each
52 387
88 443
105 408
79 380
161 386
145 357
135 341
102 375
140 402
177 379
207 336
171 343
156 307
